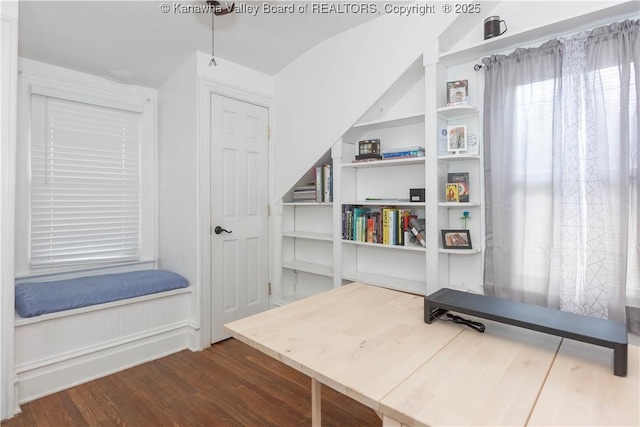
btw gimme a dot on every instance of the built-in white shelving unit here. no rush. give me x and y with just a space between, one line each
382 184
412 112
307 251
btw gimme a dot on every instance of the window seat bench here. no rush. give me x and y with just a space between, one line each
74 330
601 332
38 298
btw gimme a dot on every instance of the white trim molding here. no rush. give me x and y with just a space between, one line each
91 342
8 130
208 86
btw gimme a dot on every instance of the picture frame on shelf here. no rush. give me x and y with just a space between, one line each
456 239
456 138
457 92
473 148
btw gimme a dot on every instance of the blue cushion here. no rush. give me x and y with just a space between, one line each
36 298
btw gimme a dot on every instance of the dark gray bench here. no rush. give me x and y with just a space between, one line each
602 332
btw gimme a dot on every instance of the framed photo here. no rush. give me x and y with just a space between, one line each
456 239
457 92
456 138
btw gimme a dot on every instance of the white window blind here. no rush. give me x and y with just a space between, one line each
85 183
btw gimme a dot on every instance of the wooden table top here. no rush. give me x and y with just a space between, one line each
372 345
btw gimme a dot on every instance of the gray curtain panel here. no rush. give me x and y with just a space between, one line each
561 173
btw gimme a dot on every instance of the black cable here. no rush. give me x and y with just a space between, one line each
477 326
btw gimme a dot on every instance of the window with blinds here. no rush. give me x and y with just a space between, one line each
85 183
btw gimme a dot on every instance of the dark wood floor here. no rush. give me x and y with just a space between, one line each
229 384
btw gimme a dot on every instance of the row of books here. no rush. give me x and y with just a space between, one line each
383 225
321 190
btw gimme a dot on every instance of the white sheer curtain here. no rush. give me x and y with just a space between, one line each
561 173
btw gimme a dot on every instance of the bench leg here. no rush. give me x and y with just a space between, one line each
620 360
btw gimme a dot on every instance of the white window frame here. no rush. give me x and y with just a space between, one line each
36 77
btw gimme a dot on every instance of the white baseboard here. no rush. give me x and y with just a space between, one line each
47 377
61 350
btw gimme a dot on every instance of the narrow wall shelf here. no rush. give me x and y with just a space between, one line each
308 267
393 122
457 112
308 235
458 158
383 163
387 247
307 204
458 204
460 251
387 202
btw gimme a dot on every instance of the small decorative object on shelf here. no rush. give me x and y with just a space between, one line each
492 27
456 239
461 179
417 229
457 92
457 139
416 194
369 149
465 216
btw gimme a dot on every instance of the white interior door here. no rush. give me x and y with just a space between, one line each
239 205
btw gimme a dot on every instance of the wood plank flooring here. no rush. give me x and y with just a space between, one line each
228 384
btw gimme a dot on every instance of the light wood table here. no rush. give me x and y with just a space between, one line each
372 345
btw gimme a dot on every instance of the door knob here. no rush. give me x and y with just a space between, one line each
219 230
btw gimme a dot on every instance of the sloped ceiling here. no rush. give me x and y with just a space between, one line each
136 42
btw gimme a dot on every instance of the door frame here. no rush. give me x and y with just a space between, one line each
201 303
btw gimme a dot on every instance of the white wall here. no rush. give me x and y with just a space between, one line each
326 90
522 16
8 110
184 176
177 174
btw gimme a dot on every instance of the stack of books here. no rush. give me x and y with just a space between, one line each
304 193
403 153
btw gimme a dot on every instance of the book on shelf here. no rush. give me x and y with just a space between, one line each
318 184
457 92
368 157
461 181
403 153
451 194
327 183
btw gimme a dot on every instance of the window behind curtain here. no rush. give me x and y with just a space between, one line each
85 183
561 173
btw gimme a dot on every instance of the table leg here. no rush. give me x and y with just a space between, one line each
390 422
316 400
